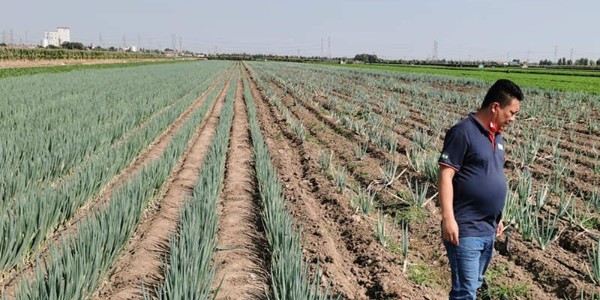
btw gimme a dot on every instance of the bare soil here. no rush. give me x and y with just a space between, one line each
243 259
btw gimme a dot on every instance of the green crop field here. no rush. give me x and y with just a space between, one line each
563 80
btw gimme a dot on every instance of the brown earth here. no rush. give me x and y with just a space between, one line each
142 260
242 260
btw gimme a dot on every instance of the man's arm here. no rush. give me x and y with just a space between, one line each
446 194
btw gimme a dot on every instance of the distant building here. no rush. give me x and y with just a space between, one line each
56 38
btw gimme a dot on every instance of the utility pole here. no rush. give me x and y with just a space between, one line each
435 50
173 42
571 56
100 40
322 49
329 47
180 44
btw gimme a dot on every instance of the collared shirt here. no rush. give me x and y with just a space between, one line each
479 183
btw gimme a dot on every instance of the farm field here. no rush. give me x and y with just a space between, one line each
276 180
562 80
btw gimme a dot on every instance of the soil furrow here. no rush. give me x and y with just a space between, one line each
351 261
142 260
242 262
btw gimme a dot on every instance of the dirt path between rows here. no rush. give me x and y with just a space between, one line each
154 151
243 259
142 260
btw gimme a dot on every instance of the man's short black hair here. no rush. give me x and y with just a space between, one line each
502 91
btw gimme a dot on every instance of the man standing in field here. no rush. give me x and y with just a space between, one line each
472 187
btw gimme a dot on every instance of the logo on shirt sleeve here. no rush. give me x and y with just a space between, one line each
500 146
444 156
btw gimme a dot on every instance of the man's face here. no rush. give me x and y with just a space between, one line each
506 115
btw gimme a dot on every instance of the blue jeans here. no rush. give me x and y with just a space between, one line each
468 262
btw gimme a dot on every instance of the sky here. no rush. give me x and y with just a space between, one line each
461 29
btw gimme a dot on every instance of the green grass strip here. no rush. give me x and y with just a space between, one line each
575 81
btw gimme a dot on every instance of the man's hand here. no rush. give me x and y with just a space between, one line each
499 229
450 231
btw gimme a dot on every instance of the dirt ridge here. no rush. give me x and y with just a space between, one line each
141 260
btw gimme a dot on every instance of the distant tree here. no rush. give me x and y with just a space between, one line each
582 62
73 45
368 58
2 44
569 62
545 62
598 62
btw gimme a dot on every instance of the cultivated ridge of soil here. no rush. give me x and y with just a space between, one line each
352 263
242 258
142 260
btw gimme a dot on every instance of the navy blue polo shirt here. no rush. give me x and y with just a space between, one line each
479 184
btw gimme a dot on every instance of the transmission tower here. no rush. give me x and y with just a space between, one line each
571 56
180 44
322 49
329 47
173 41
555 53
435 50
